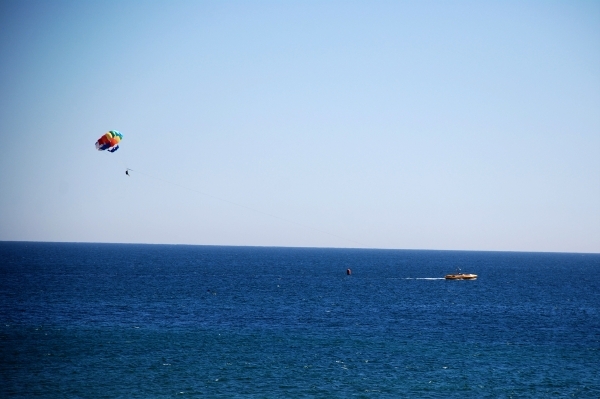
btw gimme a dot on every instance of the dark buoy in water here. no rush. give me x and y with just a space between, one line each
348 271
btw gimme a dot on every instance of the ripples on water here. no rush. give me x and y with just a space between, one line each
108 320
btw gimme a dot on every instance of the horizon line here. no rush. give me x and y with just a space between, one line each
300 247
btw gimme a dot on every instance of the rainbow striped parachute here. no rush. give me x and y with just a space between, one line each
109 141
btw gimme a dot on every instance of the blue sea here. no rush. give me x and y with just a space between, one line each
169 321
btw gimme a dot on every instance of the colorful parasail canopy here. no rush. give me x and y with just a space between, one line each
109 141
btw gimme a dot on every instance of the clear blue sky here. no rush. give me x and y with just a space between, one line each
385 124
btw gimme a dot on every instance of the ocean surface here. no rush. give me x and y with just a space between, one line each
166 321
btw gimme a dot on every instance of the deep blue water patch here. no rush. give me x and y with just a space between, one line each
127 321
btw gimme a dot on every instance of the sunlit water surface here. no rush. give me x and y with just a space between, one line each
158 321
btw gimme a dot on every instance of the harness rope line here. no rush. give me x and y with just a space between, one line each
246 207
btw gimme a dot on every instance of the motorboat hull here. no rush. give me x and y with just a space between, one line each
461 276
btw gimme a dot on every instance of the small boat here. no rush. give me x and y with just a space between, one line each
460 276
